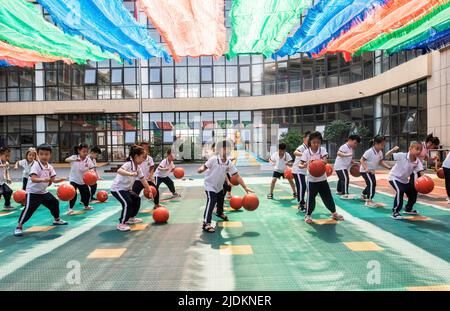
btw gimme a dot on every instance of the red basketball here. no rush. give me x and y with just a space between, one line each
90 178
20 196
160 215
424 184
317 168
440 173
288 174
329 170
66 192
102 196
236 203
154 192
250 202
354 170
234 180
178 172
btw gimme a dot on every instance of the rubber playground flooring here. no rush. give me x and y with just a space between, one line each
271 248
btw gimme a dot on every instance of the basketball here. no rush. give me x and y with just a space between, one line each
102 196
354 170
317 168
329 170
154 192
424 184
66 192
178 172
20 196
288 174
250 202
161 215
234 180
236 203
440 173
90 178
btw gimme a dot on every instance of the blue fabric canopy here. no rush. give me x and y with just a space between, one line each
4 63
324 22
106 23
434 42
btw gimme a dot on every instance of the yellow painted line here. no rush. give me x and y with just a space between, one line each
230 224
363 246
236 250
5 213
416 218
325 221
286 197
40 229
433 288
106 253
146 211
139 227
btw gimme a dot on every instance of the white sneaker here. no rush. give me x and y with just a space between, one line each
8 208
123 227
176 195
70 212
18 232
308 219
134 220
88 208
60 222
364 197
371 204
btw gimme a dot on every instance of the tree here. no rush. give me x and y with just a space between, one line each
292 138
338 130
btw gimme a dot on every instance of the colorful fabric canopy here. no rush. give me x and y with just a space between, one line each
326 21
428 26
105 23
4 63
189 27
435 42
260 27
23 25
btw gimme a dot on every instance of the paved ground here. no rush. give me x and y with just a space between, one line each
271 248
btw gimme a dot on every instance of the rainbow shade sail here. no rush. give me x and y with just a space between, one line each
384 19
260 27
411 35
105 23
22 25
325 22
435 42
189 27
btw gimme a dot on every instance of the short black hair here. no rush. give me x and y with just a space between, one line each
44 147
4 150
96 149
306 134
282 146
355 137
432 139
78 147
377 140
315 135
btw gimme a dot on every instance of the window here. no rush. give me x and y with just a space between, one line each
90 76
206 74
116 76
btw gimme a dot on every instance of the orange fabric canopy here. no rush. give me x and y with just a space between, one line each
25 58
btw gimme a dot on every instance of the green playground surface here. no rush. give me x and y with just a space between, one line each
271 248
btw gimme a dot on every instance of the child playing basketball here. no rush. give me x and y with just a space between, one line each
80 163
343 162
26 164
93 155
280 160
216 169
41 176
300 173
162 174
122 187
317 185
406 164
5 178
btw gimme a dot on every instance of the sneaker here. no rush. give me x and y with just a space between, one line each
18 232
88 208
8 208
270 196
134 220
338 217
308 219
123 227
371 204
345 197
60 222
411 212
364 197
396 216
301 208
70 212
176 195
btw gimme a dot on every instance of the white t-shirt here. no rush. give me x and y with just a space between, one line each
40 171
309 155
217 173
344 163
145 166
79 168
164 164
280 163
295 168
403 167
3 171
373 159
126 183
446 163
26 167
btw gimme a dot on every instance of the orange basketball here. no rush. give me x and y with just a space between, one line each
178 172
66 192
236 203
154 192
354 170
329 170
102 196
288 174
424 184
317 168
90 178
234 180
440 173
161 215
250 202
20 196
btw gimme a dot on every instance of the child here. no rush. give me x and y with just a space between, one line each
122 187
80 163
406 164
216 169
41 176
5 178
300 173
343 162
431 142
26 163
446 167
370 160
147 167
93 155
162 174
317 185
279 161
